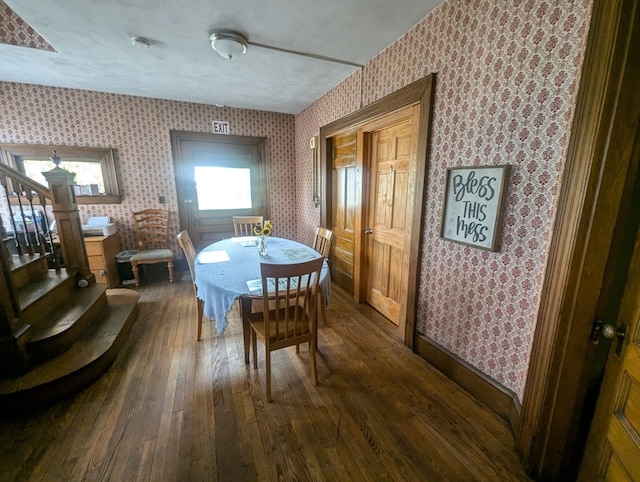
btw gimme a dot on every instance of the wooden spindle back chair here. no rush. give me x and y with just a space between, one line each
322 244
152 233
184 240
243 225
289 314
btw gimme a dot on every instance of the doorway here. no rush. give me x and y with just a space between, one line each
613 448
217 177
344 146
594 206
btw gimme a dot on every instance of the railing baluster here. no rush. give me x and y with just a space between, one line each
28 244
39 238
5 184
52 249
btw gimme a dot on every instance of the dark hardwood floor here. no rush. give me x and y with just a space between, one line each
173 409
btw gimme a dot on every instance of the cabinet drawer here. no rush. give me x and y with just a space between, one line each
96 262
93 249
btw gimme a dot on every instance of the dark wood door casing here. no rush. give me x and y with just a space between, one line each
600 163
420 92
218 224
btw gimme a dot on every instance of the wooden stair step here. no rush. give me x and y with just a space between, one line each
25 269
64 324
79 366
40 295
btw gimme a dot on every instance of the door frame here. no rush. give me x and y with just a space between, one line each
420 92
599 164
177 137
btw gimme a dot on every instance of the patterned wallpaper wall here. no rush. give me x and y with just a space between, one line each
507 76
138 129
15 31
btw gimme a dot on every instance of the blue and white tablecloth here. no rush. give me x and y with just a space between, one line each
224 268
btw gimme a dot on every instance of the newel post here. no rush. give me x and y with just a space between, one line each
69 226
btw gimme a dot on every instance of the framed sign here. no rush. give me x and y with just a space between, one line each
473 205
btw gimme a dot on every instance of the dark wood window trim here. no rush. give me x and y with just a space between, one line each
13 153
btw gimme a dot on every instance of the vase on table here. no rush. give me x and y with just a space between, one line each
262 245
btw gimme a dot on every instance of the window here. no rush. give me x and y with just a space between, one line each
94 168
223 187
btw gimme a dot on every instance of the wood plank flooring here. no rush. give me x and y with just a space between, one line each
173 409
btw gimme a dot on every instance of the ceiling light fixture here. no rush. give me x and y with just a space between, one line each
140 42
228 44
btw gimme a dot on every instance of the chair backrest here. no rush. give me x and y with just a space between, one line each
184 240
289 290
243 225
152 229
322 241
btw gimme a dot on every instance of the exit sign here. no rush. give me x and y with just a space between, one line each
220 127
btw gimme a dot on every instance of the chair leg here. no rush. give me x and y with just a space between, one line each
254 345
134 268
324 314
200 309
320 302
312 359
170 266
268 364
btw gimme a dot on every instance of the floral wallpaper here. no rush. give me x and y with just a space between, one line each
15 31
506 81
138 129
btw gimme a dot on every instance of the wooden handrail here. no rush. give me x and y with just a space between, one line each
25 181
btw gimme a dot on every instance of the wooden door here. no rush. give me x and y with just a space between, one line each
346 200
392 144
199 161
613 447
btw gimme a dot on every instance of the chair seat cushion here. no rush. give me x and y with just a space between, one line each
152 254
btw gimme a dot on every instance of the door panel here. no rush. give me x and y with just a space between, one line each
613 446
345 203
192 150
392 157
620 459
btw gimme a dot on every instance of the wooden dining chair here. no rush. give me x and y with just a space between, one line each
322 244
152 233
289 315
184 240
322 241
243 225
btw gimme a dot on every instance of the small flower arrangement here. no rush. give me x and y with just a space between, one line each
265 230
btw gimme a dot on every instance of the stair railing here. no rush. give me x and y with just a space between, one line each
20 190
20 194
31 230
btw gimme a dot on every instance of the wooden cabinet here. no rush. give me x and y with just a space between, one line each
102 251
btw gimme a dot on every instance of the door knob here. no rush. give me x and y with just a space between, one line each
607 330
368 231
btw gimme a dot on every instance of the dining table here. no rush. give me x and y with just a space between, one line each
229 270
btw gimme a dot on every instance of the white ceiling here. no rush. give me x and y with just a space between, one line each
94 50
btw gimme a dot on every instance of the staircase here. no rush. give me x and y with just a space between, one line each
70 334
